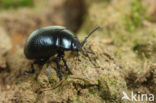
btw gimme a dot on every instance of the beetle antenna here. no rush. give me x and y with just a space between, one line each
85 40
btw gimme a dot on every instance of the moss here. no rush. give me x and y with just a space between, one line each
66 75
15 3
0 22
85 66
143 50
118 55
52 81
111 87
136 16
93 90
105 93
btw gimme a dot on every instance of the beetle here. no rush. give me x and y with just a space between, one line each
49 41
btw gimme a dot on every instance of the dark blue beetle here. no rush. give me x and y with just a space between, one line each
48 41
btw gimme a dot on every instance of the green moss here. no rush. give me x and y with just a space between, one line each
15 3
93 90
136 16
103 1
66 75
0 22
145 50
109 89
104 90
52 81
118 55
85 66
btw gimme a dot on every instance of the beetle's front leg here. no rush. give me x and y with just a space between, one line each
67 68
61 54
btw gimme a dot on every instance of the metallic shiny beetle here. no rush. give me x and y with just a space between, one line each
48 41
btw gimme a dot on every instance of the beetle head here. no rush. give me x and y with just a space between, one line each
76 45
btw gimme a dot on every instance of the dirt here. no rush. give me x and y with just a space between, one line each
123 60
3 48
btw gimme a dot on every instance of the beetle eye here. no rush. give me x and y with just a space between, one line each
74 46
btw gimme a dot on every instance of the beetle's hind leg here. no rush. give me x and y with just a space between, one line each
58 67
40 61
32 68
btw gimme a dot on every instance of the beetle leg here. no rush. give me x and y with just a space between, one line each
58 67
40 61
67 68
32 68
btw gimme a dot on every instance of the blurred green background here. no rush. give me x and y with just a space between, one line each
6 4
